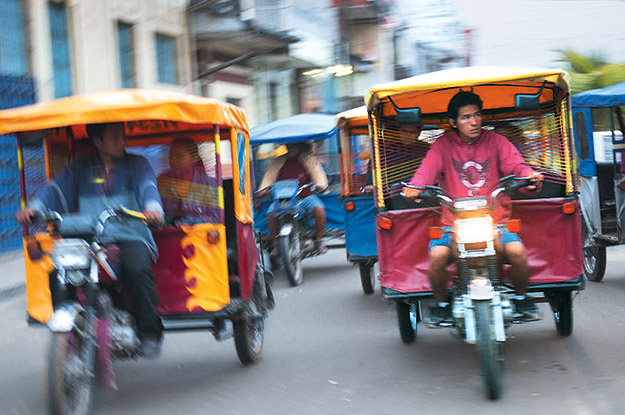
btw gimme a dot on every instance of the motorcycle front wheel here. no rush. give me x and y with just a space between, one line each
71 383
291 252
490 351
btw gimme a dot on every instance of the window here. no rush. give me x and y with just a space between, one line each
166 59
61 62
126 50
234 101
13 55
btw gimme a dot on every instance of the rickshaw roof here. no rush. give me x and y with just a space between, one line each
465 77
301 127
601 97
354 113
119 106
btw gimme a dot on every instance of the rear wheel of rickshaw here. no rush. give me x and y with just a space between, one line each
249 330
367 276
490 351
594 257
71 383
291 253
408 317
562 308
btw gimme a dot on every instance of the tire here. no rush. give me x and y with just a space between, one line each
408 317
594 259
367 277
249 330
490 351
562 308
71 383
290 251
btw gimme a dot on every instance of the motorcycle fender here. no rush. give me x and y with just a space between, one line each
286 229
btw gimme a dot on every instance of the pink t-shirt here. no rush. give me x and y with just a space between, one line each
471 169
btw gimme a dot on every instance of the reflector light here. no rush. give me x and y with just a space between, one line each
513 225
385 223
349 206
212 237
435 232
569 208
621 185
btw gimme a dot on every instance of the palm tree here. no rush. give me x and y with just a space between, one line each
592 71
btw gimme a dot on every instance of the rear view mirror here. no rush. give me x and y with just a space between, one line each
527 102
405 116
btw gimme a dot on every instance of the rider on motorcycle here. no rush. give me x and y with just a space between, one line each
86 185
466 162
298 163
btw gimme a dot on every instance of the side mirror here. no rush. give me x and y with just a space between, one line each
528 102
406 116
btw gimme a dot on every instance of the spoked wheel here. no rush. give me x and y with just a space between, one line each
249 330
490 351
408 317
594 257
71 370
291 253
562 308
367 276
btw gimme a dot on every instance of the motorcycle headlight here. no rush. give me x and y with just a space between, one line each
474 230
71 254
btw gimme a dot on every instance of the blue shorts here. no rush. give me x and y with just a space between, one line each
305 205
505 237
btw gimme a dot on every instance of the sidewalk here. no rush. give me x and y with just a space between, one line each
12 279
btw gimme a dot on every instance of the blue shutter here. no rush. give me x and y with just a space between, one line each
13 55
166 59
61 62
125 45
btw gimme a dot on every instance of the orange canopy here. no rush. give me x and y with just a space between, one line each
119 106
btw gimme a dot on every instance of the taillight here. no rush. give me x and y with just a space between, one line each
212 237
621 185
435 232
349 206
513 225
386 224
569 208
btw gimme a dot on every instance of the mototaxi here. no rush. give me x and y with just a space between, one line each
268 142
208 274
599 127
532 109
357 193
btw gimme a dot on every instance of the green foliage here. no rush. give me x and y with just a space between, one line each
592 71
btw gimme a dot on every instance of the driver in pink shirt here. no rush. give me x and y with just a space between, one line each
467 162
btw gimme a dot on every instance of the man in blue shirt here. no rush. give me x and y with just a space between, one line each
107 178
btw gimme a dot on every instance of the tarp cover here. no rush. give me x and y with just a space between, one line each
122 105
360 228
602 97
301 127
552 239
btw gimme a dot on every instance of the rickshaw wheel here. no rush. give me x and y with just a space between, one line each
594 259
408 317
71 371
249 330
367 277
291 253
562 308
490 351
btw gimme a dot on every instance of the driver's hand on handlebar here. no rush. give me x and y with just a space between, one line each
153 217
411 194
535 177
24 216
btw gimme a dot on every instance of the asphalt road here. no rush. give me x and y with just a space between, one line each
329 349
